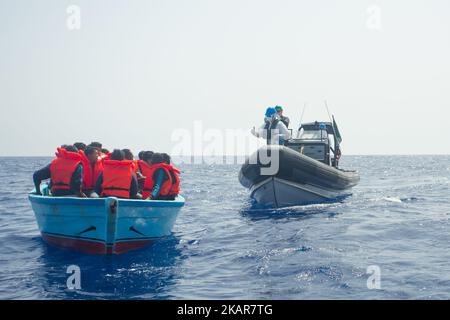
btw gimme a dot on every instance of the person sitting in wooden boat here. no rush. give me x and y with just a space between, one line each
118 178
273 130
129 156
102 152
162 180
65 173
80 146
175 175
92 168
283 119
144 163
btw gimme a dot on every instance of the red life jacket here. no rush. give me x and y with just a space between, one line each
169 186
90 174
175 189
62 168
117 177
136 166
140 164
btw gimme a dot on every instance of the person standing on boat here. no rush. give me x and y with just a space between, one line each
65 174
273 129
283 119
118 178
92 167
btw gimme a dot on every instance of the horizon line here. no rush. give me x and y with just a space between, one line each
245 155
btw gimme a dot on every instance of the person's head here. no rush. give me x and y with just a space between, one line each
279 110
147 156
166 158
270 112
79 145
157 158
70 148
97 145
128 154
91 153
104 151
141 155
117 154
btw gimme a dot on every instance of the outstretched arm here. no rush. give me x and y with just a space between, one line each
40 175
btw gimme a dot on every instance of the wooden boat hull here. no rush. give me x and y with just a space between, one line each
103 225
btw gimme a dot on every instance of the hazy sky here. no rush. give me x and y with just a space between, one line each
137 70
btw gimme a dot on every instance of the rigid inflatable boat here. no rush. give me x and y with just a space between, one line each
306 169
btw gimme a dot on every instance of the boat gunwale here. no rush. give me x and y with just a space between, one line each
178 202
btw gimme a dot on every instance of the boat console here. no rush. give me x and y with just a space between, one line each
313 140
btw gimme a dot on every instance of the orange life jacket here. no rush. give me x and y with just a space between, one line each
90 174
175 189
117 177
140 164
136 166
169 186
62 168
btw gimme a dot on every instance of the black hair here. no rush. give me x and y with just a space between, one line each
79 145
166 158
157 158
117 154
70 148
97 145
89 150
141 155
147 156
128 154
105 151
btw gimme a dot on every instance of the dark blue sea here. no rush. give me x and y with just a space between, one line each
223 247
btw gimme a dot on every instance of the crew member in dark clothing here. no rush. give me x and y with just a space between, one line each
283 119
120 172
55 171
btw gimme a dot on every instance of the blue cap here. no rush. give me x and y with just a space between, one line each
322 126
270 111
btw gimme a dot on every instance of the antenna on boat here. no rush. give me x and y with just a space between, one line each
328 111
301 119
303 112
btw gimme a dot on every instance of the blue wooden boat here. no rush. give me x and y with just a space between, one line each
103 225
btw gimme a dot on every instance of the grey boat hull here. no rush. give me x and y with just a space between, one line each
299 179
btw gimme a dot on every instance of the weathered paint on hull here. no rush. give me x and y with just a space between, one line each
94 247
103 226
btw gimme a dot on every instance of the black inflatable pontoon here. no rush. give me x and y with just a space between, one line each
304 170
